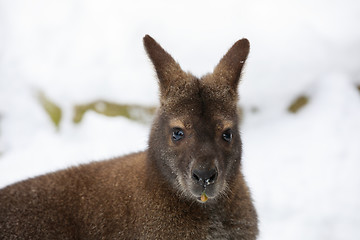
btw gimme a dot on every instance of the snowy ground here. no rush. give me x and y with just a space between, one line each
302 168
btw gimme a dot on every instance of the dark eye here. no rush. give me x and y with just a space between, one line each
227 135
177 134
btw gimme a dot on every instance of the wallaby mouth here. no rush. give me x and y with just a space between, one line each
204 184
204 193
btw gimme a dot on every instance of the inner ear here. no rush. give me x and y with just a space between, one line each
167 69
230 66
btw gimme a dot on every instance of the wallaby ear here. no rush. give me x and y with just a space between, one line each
166 68
230 66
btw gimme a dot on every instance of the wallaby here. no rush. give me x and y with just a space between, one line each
188 184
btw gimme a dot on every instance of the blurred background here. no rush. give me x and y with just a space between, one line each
76 86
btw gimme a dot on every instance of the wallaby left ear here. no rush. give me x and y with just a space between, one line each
230 66
167 69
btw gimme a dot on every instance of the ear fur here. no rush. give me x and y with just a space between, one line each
167 69
230 66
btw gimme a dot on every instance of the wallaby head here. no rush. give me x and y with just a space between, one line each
195 141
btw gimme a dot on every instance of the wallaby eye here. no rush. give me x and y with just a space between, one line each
177 134
227 135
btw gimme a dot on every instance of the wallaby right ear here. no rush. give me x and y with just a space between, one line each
230 66
166 68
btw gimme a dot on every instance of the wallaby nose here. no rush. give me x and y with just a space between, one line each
204 177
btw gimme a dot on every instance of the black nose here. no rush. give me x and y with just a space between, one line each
204 177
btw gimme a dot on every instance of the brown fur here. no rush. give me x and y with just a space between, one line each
153 194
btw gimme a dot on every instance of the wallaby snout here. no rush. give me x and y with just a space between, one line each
204 177
205 166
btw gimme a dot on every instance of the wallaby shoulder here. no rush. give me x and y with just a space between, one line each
72 202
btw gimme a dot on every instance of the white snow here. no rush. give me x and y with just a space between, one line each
302 168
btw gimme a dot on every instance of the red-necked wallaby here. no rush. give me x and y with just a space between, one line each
187 185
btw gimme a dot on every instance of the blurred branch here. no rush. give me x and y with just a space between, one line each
134 112
298 103
53 110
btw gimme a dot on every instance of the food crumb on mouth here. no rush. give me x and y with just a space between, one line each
204 197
